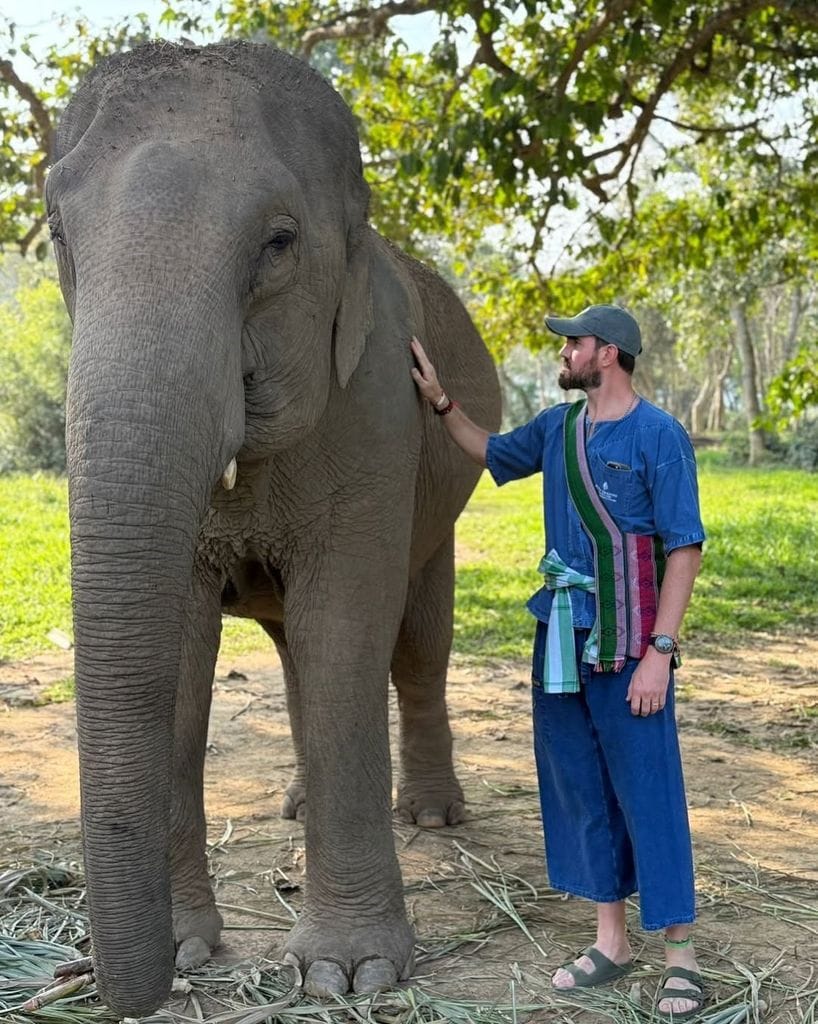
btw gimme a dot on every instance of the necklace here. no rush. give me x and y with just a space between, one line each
592 423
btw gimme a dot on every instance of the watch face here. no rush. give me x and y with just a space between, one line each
664 644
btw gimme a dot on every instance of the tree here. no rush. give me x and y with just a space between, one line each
518 106
644 132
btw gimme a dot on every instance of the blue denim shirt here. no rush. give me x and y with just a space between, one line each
644 470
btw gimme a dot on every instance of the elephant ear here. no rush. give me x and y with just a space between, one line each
354 319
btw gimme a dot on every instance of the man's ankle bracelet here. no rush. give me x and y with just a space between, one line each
678 943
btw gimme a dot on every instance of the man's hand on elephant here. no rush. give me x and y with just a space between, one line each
425 377
471 438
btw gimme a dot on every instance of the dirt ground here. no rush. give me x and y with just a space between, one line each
748 719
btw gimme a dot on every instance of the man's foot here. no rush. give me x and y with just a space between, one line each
682 975
597 965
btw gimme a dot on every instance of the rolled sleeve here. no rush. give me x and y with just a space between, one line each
517 454
675 493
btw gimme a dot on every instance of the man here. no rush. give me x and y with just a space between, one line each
623 540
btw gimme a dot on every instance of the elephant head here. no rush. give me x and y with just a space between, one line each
208 213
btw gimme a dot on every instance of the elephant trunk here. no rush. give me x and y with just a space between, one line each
146 443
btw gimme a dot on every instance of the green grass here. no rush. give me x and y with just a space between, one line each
761 561
34 563
35 570
759 574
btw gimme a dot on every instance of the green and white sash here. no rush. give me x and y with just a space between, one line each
559 671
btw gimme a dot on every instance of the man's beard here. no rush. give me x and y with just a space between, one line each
582 380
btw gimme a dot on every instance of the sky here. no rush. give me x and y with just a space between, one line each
42 16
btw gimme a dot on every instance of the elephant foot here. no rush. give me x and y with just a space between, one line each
294 804
430 805
339 957
197 934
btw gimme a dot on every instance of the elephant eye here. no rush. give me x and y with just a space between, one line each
281 240
55 229
277 262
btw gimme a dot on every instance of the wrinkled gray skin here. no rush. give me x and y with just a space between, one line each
229 299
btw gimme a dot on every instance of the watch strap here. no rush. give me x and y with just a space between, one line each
675 653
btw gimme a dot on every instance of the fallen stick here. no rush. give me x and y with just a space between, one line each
50 995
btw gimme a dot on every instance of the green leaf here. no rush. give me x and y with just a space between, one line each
662 11
411 163
489 21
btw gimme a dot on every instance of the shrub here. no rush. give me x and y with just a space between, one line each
802 446
35 339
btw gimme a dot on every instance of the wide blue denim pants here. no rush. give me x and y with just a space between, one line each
612 794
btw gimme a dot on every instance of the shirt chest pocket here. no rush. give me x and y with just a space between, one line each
615 483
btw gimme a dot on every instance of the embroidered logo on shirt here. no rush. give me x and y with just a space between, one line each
606 493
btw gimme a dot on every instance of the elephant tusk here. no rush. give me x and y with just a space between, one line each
229 475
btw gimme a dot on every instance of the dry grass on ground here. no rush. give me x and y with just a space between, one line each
490 931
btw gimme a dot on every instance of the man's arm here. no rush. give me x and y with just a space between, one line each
681 569
471 438
650 680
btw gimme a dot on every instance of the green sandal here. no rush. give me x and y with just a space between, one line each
696 995
604 971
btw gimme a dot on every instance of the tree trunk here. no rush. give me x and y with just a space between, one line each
749 382
519 393
797 309
715 414
696 408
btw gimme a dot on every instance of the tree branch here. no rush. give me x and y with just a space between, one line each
25 242
486 54
460 79
364 22
709 129
39 111
613 10
681 63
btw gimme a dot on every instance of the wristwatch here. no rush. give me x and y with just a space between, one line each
664 643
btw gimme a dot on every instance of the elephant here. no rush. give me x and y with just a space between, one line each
244 436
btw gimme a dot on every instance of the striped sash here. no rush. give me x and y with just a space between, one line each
628 566
559 670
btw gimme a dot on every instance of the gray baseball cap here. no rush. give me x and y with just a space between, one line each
612 324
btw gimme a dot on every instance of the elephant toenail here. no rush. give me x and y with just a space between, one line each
325 978
193 952
457 813
375 974
431 819
294 964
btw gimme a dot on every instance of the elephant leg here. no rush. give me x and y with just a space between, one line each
353 932
294 804
428 791
196 922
